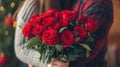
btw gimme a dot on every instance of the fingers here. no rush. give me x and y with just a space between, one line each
30 65
57 63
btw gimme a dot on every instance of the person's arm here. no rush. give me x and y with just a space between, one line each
29 56
102 12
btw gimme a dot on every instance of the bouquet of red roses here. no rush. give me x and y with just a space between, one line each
63 35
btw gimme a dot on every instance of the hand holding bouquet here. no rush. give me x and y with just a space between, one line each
61 35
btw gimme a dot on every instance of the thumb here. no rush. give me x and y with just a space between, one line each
30 65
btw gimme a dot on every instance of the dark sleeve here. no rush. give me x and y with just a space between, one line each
102 12
99 10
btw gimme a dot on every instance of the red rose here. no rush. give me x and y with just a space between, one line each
35 20
67 38
38 20
38 30
33 17
48 21
75 15
27 31
58 15
50 13
50 37
81 31
82 19
55 26
63 22
92 25
69 15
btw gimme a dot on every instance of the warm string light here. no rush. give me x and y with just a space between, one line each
2 8
14 24
12 4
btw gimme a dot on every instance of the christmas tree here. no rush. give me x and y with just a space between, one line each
7 27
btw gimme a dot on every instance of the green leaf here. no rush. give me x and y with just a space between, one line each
62 29
78 38
86 46
59 47
44 57
72 57
72 24
87 53
71 46
30 43
90 38
46 53
76 34
63 58
53 51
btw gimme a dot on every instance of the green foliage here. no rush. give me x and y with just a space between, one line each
32 42
47 53
59 47
86 46
62 29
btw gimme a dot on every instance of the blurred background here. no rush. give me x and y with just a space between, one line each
7 27
113 54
